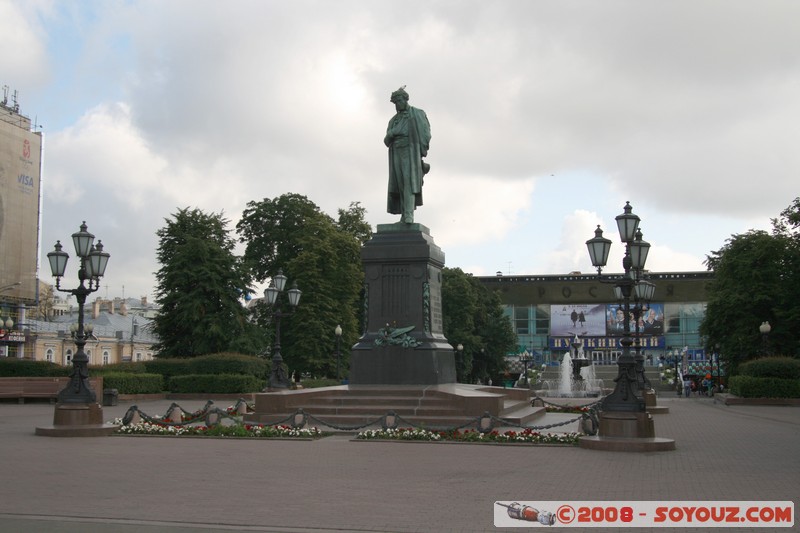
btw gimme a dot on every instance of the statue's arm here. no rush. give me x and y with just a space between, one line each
424 133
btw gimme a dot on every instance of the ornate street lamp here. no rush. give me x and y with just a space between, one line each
278 378
643 293
338 333
459 353
525 358
93 261
765 328
626 395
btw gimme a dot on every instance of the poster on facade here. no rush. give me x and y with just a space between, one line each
20 158
577 319
651 321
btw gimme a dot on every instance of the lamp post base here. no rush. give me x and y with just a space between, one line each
77 420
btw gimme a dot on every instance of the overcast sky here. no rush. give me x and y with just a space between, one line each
546 117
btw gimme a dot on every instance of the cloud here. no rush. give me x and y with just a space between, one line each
163 105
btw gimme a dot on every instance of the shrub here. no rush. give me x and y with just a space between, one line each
218 383
758 387
322 382
771 367
116 368
13 367
230 363
168 367
134 383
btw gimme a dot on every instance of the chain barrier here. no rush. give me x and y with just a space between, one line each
391 420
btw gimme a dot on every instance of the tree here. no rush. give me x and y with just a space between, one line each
473 317
756 279
199 286
291 234
353 221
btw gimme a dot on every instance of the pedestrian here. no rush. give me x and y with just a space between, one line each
687 386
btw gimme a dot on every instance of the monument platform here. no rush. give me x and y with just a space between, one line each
435 406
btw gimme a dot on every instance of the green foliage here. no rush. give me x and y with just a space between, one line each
315 383
756 279
291 234
215 384
199 286
134 383
353 221
168 367
753 387
13 367
229 363
771 367
473 317
127 368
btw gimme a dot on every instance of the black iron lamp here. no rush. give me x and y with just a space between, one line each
626 395
93 261
338 333
278 378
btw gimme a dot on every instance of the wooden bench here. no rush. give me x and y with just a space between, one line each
47 388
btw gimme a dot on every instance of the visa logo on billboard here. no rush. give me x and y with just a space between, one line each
24 179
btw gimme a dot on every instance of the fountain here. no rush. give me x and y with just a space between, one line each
577 379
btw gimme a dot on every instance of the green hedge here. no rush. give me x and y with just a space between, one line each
11 367
131 383
168 367
771 367
230 363
117 368
756 387
215 384
321 382
221 363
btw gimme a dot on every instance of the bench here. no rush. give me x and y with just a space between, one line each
47 388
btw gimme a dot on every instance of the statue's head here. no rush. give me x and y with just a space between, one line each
399 94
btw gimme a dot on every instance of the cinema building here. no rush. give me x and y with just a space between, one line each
547 313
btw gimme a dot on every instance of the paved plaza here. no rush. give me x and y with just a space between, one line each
161 484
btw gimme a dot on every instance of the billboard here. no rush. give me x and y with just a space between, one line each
651 321
20 180
577 319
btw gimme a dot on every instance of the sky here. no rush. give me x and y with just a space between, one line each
546 117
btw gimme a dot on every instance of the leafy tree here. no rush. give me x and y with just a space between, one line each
353 221
291 234
199 286
473 317
756 279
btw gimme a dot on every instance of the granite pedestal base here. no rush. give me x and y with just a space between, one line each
626 431
77 420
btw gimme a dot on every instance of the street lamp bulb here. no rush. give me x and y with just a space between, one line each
764 328
460 347
338 331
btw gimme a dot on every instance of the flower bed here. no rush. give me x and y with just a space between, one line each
525 436
219 430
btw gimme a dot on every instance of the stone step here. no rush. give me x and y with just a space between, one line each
380 409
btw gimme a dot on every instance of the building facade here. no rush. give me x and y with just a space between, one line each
115 335
547 312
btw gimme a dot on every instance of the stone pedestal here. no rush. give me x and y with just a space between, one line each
403 342
626 424
626 431
77 420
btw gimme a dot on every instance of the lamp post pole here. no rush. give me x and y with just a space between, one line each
460 362
278 378
338 332
765 328
625 396
525 358
93 261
